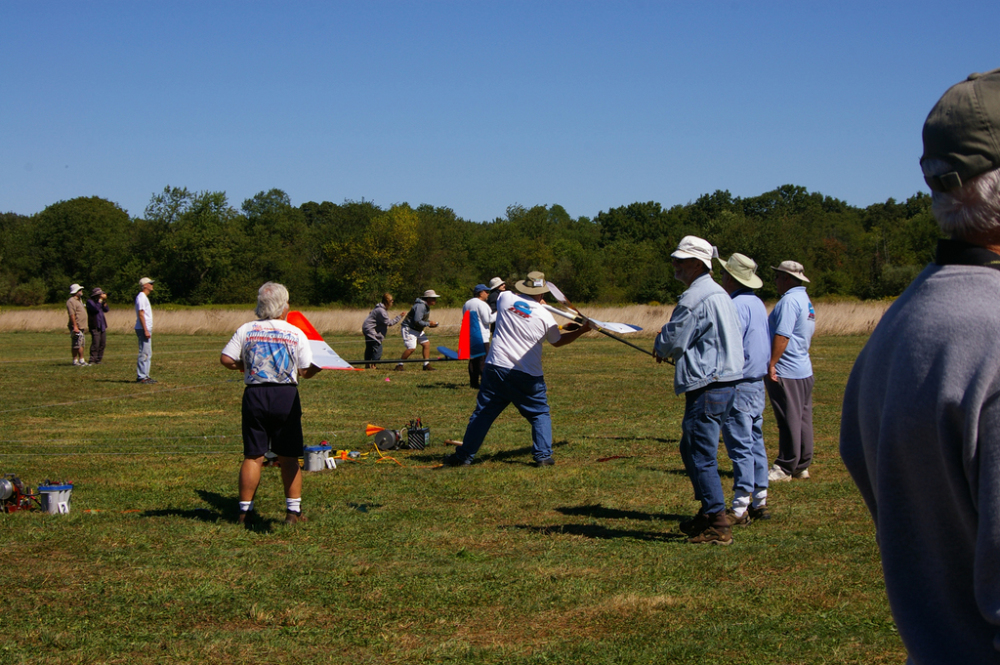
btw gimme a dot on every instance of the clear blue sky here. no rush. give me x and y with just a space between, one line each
475 105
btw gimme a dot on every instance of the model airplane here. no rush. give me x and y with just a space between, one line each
470 340
323 356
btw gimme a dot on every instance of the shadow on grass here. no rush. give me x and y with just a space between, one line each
514 456
600 532
443 385
599 511
224 508
632 438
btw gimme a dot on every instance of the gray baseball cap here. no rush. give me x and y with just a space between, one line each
963 130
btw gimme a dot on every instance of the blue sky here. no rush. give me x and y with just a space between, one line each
475 105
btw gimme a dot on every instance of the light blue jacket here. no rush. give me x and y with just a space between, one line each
703 337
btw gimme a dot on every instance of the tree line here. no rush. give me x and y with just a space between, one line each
202 250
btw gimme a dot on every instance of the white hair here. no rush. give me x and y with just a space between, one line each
973 207
271 300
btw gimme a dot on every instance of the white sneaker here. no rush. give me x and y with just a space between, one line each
76 362
778 475
801 475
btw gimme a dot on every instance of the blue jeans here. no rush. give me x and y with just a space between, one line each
145 355
743 434
499 388
704 411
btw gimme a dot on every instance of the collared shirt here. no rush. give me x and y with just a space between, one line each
752 315
76 310
703 337
794 317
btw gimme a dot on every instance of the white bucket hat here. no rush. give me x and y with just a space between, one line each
793 268
495 283
429 293
743 269
693 247
73 288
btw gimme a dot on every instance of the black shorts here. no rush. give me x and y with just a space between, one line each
272 418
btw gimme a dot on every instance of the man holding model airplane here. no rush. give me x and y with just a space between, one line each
512 373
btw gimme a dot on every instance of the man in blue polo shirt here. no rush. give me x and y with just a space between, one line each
790 375
743 430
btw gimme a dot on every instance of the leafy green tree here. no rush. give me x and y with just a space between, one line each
82 240
373 263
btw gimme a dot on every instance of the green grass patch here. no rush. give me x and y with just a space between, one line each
498 563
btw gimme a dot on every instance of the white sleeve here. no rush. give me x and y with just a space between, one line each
234 348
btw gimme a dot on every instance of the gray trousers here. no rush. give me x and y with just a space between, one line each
791 400
145 355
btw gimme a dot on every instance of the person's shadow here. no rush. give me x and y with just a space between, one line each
222 508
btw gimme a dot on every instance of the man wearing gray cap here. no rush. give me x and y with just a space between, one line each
920 426
743 430
790 375
704 342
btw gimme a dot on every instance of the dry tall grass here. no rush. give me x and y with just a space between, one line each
835 318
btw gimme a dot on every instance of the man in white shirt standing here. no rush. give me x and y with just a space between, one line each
144 331
272 354
484 317
512 373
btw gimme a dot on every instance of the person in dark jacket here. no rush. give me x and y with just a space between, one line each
417 319
97 306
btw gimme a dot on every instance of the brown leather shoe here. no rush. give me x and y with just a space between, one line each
399 368
722 535
294 518
429 368
742 520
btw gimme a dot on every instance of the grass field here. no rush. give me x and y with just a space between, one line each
498 563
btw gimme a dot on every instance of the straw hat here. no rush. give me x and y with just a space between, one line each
793 268
534 285
743 269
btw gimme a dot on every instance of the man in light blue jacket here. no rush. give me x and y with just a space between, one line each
704 341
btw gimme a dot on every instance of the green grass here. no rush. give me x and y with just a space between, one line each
497 563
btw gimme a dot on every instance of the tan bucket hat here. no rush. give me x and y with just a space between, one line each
743 269
534 284
793 268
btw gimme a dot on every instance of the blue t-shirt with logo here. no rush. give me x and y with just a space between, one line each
794 317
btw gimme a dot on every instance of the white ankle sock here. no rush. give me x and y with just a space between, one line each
293 505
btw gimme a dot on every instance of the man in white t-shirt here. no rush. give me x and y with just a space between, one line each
484 317
272 354
513 370
144 331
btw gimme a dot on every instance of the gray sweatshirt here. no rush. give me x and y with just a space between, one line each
377 323
418 317
920 435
